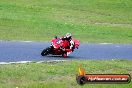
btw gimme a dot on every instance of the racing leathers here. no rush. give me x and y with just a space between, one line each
71 42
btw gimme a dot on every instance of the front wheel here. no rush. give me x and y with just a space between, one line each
64 55
46 51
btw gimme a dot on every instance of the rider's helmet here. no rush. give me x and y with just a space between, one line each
68 35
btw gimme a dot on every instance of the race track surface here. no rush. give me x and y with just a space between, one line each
11 51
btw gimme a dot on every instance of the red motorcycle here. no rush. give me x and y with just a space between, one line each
60 47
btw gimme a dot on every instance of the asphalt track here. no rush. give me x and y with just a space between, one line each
12 51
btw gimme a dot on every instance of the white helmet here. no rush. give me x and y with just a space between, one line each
68 35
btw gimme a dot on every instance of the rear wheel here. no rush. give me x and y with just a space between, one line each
46 51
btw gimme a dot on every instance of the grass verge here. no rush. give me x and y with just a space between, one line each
88 21
60 74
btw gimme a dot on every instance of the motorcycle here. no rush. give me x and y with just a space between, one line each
60 47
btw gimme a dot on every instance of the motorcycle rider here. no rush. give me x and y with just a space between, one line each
68 37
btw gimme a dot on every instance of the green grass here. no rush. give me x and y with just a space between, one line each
88 20
61 74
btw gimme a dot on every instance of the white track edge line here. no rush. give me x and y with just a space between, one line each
22 62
